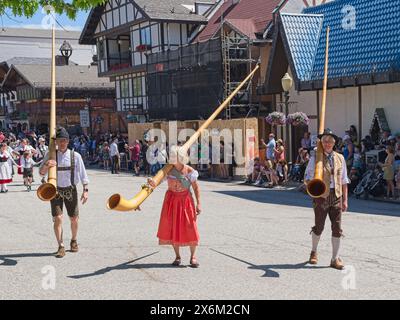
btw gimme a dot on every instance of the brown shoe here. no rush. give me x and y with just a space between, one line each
61 252
74 246
313 258
337 264
177 261
194 263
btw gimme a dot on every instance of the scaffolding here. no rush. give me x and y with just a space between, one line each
186 83
237 63
190 82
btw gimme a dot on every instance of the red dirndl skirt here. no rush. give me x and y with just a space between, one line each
20 170
178 220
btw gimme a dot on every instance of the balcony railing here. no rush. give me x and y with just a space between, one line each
119 60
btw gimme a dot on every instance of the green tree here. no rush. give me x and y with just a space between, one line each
28 8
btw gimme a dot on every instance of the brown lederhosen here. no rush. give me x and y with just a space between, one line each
67 195
331 206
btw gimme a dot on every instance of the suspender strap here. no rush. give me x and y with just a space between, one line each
72 168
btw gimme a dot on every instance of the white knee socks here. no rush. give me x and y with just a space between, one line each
315 240
335 248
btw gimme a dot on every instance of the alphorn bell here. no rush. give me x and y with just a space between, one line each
48 191
317 187
117 202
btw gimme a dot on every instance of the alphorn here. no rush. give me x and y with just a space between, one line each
117 202
317 187
48 191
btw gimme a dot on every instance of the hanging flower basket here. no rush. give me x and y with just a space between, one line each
276 119
298 119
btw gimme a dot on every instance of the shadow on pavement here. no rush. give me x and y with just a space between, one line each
7 261
268 272
124 266
298 199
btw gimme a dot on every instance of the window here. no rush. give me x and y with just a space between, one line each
125 88
137 86
145 36
100 49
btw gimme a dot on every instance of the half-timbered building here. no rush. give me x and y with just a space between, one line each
127 31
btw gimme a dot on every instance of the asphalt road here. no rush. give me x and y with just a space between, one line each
254 244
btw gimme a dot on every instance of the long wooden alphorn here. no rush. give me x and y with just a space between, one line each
48 191
117 202
317 187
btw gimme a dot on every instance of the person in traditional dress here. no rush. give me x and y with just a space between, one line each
178 220
27 164
70 171
333 202
41 151
19 151
6 162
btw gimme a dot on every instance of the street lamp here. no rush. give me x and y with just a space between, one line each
66 51
287 83
88 107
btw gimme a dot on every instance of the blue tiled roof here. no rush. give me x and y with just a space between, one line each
303 33
372 45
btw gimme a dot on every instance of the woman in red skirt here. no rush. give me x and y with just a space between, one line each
178 225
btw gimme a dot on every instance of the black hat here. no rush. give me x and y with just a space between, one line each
61 133
329 132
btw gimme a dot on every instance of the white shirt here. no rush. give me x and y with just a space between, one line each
309 174
41 150
25 148
27 163
114 149
64 177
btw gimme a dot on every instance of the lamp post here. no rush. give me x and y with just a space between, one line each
88 106
287 83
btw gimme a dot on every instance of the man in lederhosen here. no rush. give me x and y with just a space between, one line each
70 171
334 201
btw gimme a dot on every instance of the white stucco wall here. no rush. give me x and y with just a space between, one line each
342 107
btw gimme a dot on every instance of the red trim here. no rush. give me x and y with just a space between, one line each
4 181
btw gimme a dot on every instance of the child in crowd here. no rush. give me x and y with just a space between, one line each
282 170
27 164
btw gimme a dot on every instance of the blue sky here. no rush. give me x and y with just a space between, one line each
40 17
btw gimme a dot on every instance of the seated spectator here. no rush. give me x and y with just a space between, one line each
298 169
357 159
355 177
268 172
367 144
251 178
306 141
282 171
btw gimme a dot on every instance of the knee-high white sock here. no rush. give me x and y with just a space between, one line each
315 240
335 247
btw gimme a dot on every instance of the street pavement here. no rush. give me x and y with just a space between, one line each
254 245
